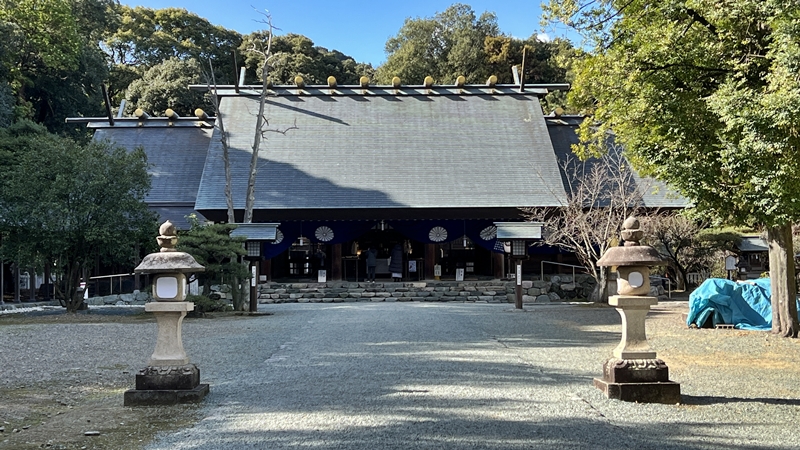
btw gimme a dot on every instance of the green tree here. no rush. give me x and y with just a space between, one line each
704 95
70 205
294 54
50 57
165 86
147 37
542 62
212 246
444 47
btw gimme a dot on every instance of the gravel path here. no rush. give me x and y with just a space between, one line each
438 375
433 375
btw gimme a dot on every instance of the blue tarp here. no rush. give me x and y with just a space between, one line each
744 304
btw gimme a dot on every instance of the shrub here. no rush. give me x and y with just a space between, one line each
203 304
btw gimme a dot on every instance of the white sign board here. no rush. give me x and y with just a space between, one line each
519 274
459 274
437 270
253 277
322 276
24 280
412 266
730 263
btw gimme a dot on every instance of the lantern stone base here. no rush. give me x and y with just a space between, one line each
166 385
638 380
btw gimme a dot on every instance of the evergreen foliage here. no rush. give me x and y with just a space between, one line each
212 246
703 95
69 205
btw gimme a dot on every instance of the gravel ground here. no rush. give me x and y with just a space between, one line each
436 375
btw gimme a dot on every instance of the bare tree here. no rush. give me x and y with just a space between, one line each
261 129
685 244
601 194
223 139
262 122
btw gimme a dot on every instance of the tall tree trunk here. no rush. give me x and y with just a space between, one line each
223 138
782 281
600 292
227 162
250 198
236 294
680 278
73 297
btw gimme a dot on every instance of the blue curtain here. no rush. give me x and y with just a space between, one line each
325 232
481 232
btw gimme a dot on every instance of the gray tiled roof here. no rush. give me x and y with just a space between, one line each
256 231
176 155
176 214
753 244
655 193
441 151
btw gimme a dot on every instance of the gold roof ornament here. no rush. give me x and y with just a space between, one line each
200 114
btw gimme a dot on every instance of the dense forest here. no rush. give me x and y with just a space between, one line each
56 54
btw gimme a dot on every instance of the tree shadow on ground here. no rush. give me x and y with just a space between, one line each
512 381
717 400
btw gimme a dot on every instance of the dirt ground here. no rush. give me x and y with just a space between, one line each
68 415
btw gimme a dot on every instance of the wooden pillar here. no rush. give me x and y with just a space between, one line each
498 261
266 269
430 260
253 286
31 285
336 262
16 283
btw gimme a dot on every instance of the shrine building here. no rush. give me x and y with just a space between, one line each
340 169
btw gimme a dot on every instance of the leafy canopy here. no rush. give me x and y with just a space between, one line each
70 205
704 94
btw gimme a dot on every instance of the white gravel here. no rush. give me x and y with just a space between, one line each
438 375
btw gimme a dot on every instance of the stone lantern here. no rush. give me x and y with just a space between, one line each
634 373
169 378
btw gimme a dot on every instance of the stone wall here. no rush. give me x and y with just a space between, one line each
557 288
136 298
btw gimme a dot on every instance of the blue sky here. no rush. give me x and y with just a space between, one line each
357 28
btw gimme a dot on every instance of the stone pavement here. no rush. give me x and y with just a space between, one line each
473 376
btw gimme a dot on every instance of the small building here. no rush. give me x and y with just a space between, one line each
753 256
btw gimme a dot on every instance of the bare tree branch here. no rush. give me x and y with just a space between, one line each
261 120
211 81
602 193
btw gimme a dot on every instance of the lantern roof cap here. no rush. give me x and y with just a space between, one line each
631 253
